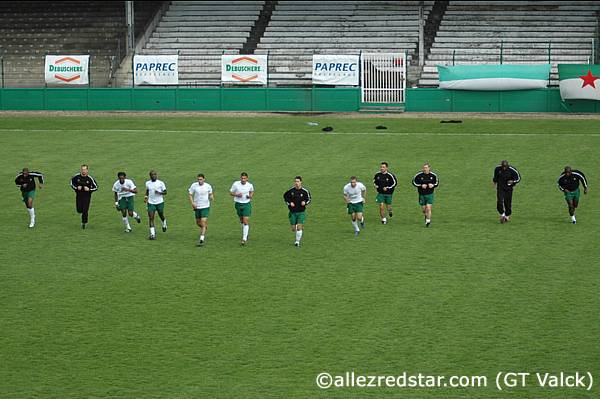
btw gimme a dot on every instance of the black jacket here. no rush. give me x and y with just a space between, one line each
425 178
297 196
503 176
27 184
381 180
83 181
571 183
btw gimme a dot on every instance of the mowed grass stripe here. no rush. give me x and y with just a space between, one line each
377 133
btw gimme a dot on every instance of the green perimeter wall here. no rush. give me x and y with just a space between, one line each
281 99
541 100
181 99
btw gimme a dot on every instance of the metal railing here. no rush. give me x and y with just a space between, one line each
28 70
509 53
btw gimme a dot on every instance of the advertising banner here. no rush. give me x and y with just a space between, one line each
339 70
67 69
244 69
156 70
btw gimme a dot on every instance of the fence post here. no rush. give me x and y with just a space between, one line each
421 34
404 77
2 66
453 57
501 52
550 52
132 70
597 38
129 21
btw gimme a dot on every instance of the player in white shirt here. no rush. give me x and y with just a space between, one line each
155 199
125 191
242 192
201 196
355 194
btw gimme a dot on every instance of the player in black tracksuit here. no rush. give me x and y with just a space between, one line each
426 182
568 183
505 179
385 184
84 185
296 199
26 182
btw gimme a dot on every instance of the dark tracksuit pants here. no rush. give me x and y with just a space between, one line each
82 202
504 204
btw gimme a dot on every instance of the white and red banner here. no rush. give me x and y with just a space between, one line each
67 69
156 70
244 69
339 70
579 81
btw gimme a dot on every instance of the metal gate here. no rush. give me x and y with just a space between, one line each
383 77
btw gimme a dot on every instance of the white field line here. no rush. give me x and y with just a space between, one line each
299 132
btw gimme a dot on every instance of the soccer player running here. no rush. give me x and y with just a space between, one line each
506 177
297 198
426 181
155 200
84 185
385 183
568 183
242 192
125 191
201 196
26 182
355 195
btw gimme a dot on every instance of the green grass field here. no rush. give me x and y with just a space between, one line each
100 313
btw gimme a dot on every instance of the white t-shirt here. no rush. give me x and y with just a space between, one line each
245 189
200 194
153 187
118 187
355 193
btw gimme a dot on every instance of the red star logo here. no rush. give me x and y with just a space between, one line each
589 79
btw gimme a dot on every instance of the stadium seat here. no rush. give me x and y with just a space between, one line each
527 31
299 29
200 32
29 30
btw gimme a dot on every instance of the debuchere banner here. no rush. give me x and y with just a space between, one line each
339 70
156 70
67 69
244 69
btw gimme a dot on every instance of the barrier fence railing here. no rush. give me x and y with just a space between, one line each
28 71
382 79
541 52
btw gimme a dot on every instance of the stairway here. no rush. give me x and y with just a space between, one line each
432 25
258 30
